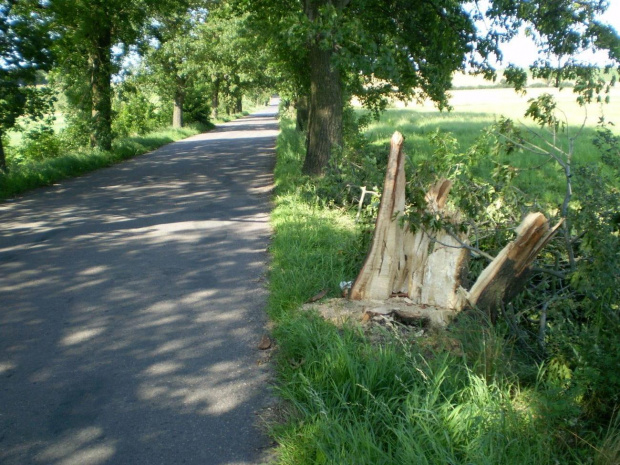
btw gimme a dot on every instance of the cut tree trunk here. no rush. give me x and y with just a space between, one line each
429 267
507 274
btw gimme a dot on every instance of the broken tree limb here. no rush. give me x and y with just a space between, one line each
505 276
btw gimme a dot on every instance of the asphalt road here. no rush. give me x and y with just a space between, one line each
131 305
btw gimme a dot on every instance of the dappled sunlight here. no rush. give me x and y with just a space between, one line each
163 368
79 337
6 366
162 386
83 446
130 306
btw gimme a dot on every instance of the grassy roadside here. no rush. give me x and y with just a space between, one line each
450 398
39 173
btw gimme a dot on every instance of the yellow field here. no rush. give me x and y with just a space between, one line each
507 102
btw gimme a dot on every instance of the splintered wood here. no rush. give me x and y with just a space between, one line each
429 266
505 276
382 266
426 266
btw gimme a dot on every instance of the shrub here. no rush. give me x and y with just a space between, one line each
38 143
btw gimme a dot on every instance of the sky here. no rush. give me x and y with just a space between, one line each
521 51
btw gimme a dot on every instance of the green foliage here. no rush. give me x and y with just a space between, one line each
135 112
196 107
86 32
24 50
382 49
38 143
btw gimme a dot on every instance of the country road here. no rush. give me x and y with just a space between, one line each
131 305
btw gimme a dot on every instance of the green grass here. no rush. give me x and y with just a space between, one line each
32 174
475 110
448 399
313 246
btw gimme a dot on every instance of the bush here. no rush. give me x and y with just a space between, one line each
38 143
196 107
135 114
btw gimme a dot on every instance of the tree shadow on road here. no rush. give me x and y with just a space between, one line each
131 308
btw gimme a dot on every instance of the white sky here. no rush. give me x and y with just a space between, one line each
521 51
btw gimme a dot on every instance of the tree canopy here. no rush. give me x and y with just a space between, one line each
372 49
87 31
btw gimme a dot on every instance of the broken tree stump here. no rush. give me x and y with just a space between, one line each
426 266
430 266
381 267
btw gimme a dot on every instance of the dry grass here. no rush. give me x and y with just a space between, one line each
496 102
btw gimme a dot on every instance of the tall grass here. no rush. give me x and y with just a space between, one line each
451 398
313 247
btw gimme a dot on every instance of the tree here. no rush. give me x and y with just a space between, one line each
24 49
233 57
410 49
172 60
88 29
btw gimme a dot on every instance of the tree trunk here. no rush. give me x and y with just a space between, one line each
325 114
100 62
177 114
215 98
301 105
239 104
2 156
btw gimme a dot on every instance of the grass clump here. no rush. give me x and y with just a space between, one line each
356 403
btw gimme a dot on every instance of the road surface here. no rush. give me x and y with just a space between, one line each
131 305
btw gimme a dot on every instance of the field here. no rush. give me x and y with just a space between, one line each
473 110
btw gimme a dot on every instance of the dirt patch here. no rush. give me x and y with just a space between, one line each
382 320
398 309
